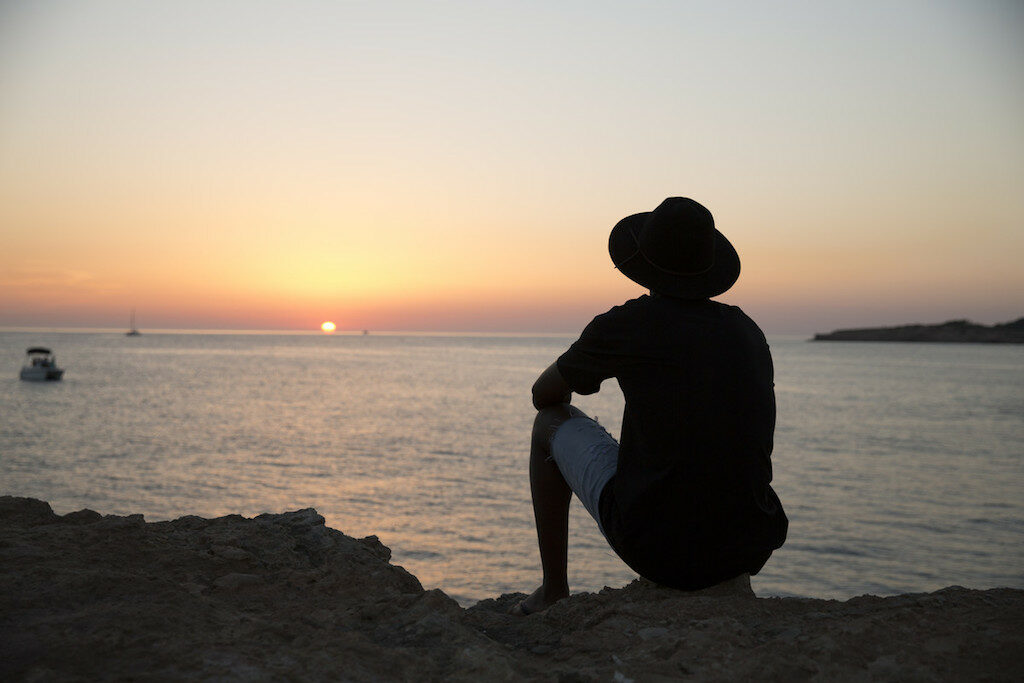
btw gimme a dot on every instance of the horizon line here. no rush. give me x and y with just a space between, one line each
318 333
284 331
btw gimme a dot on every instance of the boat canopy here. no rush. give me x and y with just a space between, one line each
38 349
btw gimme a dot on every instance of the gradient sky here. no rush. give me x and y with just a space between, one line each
458 165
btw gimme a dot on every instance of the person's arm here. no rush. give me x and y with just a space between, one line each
550 388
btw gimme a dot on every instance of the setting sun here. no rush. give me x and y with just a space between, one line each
328 326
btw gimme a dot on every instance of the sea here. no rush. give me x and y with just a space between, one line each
900 465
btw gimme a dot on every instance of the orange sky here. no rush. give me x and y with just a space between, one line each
274 166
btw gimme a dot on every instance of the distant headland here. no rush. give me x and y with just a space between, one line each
962 331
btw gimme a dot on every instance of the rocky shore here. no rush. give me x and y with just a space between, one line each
957 331
283 597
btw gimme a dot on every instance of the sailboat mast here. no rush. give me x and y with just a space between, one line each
133 332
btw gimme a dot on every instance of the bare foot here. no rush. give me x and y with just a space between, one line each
539 600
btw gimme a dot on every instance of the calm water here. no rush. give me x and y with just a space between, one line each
901 465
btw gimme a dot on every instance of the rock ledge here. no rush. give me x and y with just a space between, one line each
90 597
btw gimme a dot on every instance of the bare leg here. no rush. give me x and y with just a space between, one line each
551 497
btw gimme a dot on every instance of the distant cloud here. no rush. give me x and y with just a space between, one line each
37 275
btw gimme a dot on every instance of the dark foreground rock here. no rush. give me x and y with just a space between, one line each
957 331
282 597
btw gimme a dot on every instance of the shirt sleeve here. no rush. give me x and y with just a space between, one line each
596 355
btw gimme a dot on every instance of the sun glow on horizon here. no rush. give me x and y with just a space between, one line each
478 196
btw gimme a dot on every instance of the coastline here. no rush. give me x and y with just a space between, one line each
284 596
953 331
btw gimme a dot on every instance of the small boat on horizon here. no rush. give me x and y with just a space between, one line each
134 331
41 366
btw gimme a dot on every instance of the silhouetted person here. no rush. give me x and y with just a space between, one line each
685 499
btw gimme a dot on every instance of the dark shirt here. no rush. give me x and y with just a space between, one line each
690 504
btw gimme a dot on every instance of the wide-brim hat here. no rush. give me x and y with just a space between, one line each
675 250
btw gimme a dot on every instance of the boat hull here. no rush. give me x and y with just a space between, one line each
38 374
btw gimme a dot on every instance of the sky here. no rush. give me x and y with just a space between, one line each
458 165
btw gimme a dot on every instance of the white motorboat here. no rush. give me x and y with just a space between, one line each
41 366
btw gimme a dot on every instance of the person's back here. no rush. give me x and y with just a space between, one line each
684 499
692 482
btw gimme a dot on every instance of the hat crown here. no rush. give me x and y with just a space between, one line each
675 251
679 237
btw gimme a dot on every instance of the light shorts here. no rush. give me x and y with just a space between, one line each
587 456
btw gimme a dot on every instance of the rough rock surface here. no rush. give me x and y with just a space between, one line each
282 597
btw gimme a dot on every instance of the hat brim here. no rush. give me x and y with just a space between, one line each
622 247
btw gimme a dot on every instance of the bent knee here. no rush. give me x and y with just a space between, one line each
550 417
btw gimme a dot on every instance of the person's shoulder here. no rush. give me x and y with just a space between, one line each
617 317
734 312
625 310
740 319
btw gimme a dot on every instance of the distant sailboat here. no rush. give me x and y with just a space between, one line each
133 332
